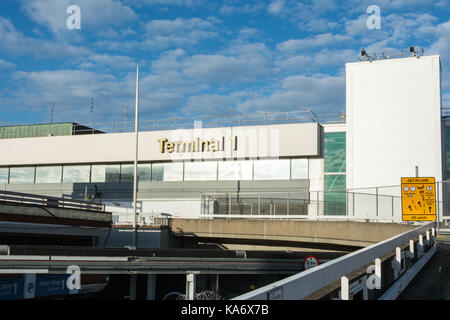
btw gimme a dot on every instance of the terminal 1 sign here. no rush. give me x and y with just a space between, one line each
418 199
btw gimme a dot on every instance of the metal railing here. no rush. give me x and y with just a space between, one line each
305 284
370 204
225 120
54 202
392 54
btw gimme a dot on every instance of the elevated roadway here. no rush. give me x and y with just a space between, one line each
55 260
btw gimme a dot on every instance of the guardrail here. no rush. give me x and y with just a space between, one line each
54 202
224 120
305 284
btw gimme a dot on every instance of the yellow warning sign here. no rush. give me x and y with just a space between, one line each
418 199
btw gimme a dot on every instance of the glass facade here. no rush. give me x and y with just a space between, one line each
4 175
48 174
200 171
127 172
73 174
105 173
299 169
21 175
447 150
172 171
279 169
335 195
272 169
334 151
236 170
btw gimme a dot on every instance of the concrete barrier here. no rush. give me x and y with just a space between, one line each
333 232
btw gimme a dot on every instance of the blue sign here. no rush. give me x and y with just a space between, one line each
11 288
51 285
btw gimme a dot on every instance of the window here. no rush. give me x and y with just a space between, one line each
334 151
236 170
272 169
21 175
335 194
143 172
3 175
105 173
172 171
299 169
73 174
48 174
200 171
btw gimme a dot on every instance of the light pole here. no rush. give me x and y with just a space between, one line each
136 118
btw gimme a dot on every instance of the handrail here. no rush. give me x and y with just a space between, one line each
49 201
303 284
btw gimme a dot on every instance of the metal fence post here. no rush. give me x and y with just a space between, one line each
376 190
392 200
259 203
438 218
190 286
288 202
318 203
353 206
346 203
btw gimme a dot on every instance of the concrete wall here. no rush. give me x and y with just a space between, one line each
333 232
393 120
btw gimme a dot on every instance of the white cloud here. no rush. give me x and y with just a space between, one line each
187 3
312 63
240 63
19 44
161 34
322 94
108 62
6 64
321 40
95 15
210 104
248 32
247 8
276 7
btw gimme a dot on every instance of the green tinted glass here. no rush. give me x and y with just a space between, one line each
335 203
334 182
334 152
447 148
335 195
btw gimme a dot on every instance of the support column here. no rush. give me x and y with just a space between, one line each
345 295
151 284
133 285
190 286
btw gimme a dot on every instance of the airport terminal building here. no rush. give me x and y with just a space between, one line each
273 164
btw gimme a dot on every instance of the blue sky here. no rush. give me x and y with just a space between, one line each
198 57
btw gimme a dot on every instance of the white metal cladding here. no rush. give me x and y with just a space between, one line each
285 140
305 283
393 120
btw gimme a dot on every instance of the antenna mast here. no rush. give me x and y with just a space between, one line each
51 111
92 111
